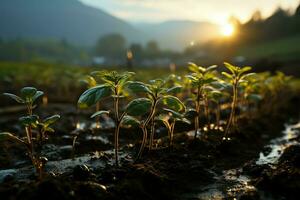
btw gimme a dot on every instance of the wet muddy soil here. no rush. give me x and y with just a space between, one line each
261 161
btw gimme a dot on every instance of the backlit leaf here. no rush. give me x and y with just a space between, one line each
28 93
138 87
101 112
173 103
14 97
130 121
139 106
50 120
93 95
37 95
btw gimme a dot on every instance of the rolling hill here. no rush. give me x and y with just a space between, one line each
60 19
83 25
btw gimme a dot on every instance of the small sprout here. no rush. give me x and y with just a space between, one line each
200 77
157 93
169 120
113 85
28 97
236 77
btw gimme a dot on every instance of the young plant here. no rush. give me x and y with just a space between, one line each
235 78
251 95
200 78
32 124
113 85
169 120
156 93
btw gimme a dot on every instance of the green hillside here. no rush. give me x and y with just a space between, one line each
282 50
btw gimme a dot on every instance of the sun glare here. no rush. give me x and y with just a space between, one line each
227 30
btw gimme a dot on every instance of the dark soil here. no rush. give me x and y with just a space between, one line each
161 173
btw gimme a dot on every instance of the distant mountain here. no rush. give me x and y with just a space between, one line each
179 34
60 19
83 25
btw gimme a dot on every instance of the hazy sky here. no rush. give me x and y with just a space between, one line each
199 10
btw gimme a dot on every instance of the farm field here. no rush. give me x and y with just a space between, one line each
180 136
149 100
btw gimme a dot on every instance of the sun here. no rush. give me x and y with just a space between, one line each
227 30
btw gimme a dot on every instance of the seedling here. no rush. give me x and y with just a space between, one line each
169 120
113 86
156 93
235 78
252 94
199 78
32 124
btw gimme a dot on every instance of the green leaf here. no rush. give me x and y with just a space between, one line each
108 77
124 77
93 95
157 82
193 67
213 67
242 81
230 67
174 103
90 81
31 120
98 113
208 80
8 136
218 84
138 87
174 113
227 75
14 97
245 69
49 129
184 120
139 106
50 120
130 121
254 97
28 93
248 75
37 95
174 90
192 78
5 136
164 118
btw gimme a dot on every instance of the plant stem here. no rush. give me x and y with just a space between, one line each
206 108
117 130
118 121
198 111
218 112
98 117
152 134
172 134
144 127
232 113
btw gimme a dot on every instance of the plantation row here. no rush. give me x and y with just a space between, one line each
204 92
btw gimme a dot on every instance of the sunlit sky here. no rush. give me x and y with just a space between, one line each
216 11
